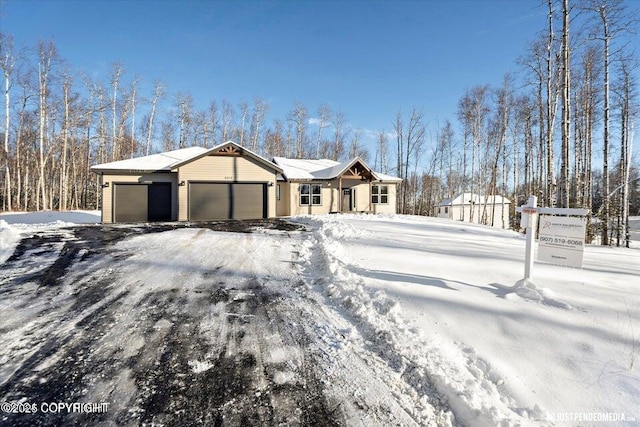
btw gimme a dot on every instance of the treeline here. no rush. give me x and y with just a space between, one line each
59 122
572 102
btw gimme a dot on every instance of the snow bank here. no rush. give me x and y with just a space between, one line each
441 374
9 238
530 291
14 225
428 295
63 218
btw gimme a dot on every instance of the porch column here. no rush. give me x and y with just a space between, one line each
340 194
371 196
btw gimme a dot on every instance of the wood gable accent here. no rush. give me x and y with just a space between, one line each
357 171
229 150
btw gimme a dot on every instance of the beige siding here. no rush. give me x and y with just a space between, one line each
363 198
224 168
330 198
107 192
283 206
389 208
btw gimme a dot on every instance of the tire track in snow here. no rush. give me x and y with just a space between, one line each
151 349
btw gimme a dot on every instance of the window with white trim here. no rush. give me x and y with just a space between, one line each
310 194
380 194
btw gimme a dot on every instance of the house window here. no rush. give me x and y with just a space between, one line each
316 194
446 209
310 194
380 194
278 192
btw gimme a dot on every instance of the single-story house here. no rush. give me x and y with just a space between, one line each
231 182
489 210
326 186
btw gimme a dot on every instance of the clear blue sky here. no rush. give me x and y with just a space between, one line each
365 58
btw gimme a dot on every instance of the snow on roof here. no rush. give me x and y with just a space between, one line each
301 168
173 159
154 162
467 198
321 169
384 177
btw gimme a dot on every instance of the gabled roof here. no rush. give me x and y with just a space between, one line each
162 162
170 160
308 170
231 148
468 198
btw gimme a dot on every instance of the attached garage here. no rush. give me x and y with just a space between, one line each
190 184
134 202
215 200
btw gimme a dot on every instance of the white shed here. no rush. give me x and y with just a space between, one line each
489 210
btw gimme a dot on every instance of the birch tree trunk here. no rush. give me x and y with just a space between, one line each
47 52
566 107
157 93
65 142
7 62
115 80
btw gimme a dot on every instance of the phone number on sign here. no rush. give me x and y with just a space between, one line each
53 407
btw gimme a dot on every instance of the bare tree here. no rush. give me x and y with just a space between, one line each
184 103
133 98
227 120
158 92
566 108
47 54
274 140
260 110
324 117
613 19
381 163
410 139
7 63
244 112
212 125
116 74
63 190
340 134
299 117
628 107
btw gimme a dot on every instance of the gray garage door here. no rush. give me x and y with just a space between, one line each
142 202
212 201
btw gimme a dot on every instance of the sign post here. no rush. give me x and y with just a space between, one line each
530 216
565 235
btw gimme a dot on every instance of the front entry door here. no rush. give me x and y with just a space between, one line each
347 205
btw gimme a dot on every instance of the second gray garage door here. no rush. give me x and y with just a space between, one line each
212 201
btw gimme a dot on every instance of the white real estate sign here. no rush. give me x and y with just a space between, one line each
561 240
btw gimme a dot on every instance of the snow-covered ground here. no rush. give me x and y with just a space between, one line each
568 343
383 320
15 224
